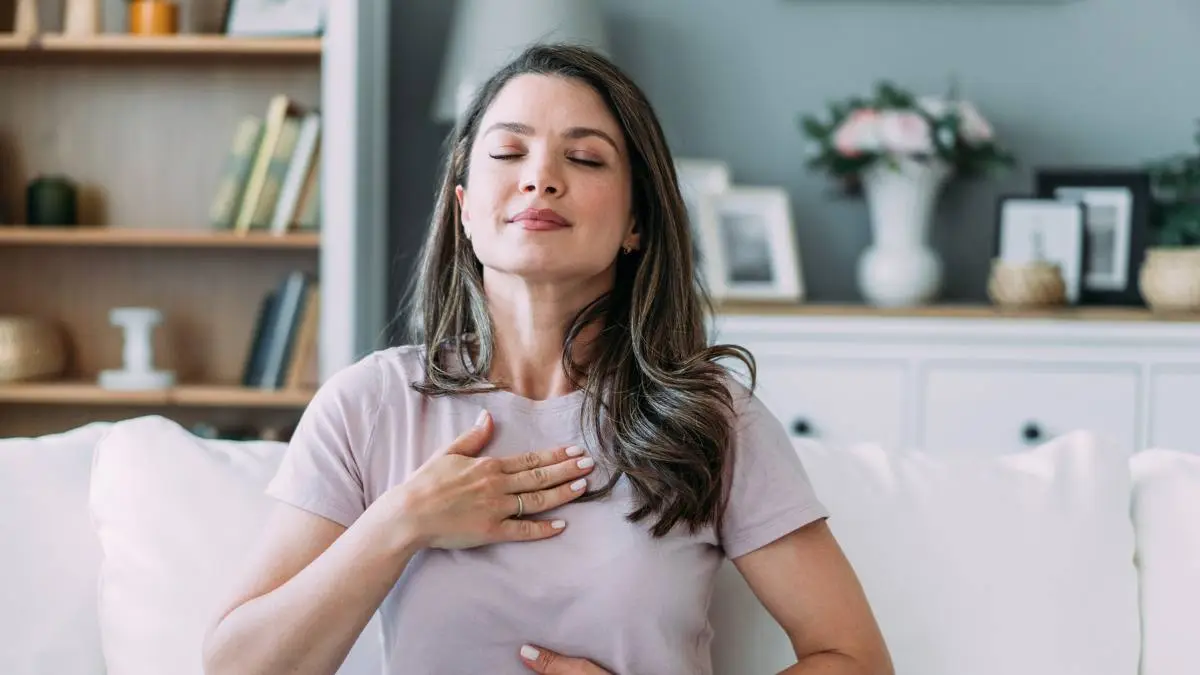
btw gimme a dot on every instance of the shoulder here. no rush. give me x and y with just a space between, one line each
360 389
748 408
379 370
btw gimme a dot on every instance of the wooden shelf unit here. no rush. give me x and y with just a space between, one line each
115 43
127 237
189 395
145 139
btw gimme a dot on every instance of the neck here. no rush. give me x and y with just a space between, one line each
529 325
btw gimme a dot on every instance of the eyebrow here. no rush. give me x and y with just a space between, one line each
572 133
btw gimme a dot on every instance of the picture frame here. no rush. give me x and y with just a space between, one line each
1032 229
1117 205
698 180
275 18
749 246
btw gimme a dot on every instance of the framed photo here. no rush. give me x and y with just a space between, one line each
700 179
1116 204
1044 230
749 247
276 18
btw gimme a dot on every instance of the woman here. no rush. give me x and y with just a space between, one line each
550 479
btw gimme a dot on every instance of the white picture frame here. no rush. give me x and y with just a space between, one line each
275 18
748 246
1044 230
700 179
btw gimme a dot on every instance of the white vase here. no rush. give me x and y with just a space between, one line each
25 20
81 18
899 269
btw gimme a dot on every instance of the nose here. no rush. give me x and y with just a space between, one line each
542 177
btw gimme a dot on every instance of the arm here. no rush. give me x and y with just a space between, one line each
313 587
807 584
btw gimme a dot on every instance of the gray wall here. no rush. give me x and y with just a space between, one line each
1088 82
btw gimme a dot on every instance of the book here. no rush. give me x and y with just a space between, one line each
228 199
279 110
300 166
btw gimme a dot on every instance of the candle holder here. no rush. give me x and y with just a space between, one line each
51 200
138 354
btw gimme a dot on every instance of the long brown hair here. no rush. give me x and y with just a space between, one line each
658 403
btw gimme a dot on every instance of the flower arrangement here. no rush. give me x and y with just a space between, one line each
894 123
1175 182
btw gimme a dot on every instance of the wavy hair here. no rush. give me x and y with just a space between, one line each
657 400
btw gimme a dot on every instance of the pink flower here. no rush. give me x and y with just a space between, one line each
859 133
905 133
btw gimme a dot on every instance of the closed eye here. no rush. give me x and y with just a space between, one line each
511 155
587 162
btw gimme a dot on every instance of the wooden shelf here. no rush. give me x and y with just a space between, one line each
950 311
118 43
187 395
10 42
131 237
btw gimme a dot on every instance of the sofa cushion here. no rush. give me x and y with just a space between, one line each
990 566
176 516
48 568
1166 513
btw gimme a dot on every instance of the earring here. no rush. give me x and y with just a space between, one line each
467 233
627 249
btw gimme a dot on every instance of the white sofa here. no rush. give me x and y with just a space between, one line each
1069 558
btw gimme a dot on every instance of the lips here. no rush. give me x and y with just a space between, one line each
540 219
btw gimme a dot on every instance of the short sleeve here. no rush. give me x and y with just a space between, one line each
321 471
770 494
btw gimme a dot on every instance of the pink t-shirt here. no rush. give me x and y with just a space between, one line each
604 589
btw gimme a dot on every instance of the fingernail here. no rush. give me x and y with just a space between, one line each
574 451
579 484
558 525
483 415
529 653
585 463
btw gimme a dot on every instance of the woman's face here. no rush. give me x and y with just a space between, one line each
548 194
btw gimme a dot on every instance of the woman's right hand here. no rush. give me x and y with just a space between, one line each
458 500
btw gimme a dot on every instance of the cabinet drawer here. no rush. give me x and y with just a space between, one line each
836 402
1175 409
1007 407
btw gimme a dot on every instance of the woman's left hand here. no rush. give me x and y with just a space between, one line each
542 660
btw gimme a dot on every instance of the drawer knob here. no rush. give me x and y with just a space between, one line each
801 427
1031 432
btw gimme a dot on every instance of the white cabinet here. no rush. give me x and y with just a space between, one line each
1174 407
838 401
975 380
999 407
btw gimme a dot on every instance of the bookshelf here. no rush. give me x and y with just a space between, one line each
143 127
46 46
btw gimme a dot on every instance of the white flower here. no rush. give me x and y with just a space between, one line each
905 133
858 133
974 128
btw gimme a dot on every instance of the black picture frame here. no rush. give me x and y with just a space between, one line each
1079 256
1124 289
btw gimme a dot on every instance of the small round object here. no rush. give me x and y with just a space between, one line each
1031 432
801 427
31 348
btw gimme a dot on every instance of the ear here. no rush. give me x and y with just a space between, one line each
460 195
633 238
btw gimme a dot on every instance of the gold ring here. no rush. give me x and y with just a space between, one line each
520 507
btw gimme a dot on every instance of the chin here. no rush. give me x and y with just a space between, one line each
545 268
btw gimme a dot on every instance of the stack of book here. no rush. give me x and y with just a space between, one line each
283 350
271 178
